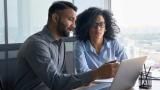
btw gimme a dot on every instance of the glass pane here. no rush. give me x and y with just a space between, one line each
26 17
84 4
2 33
65 0
13 20
139 21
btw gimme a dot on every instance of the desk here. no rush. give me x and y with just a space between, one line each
93 86
155 86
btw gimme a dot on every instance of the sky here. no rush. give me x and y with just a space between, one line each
137 12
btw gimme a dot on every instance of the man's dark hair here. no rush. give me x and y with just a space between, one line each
58 6
86 20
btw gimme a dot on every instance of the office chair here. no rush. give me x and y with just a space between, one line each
1 84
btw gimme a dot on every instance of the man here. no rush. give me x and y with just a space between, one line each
40 64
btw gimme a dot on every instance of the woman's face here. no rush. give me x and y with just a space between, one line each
98 28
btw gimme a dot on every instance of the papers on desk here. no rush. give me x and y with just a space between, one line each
103 80
156 73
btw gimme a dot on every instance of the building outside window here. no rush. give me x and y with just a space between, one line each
139 21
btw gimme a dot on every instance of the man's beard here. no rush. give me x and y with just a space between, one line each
61 29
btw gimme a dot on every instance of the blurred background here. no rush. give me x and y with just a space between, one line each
139 21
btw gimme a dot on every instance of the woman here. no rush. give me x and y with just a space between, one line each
96 43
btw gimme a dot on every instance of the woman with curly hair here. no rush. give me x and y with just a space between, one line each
96 33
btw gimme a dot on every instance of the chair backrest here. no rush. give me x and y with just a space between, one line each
1 84
69 55
8 54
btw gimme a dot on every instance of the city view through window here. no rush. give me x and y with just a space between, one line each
139 21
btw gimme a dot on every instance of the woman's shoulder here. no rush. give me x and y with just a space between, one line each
78 42
112 43
82 44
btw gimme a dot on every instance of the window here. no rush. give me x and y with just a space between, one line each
82 5
2 40
139 21
26 17
65 0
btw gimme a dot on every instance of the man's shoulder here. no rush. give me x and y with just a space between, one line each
37 37
34 40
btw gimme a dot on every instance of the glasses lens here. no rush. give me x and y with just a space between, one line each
99 24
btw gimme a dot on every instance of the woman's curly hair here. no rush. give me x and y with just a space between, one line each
86 19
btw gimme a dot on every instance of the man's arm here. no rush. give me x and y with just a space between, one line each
108 70
39 59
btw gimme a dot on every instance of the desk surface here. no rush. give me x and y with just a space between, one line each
93 86
155 86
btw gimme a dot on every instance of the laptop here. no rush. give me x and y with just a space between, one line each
126 76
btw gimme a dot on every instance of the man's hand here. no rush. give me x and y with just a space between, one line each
107 70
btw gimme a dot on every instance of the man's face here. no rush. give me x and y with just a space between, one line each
66 22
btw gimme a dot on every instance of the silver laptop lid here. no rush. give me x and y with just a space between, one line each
128 73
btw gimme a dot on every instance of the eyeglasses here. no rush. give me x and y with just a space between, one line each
100 24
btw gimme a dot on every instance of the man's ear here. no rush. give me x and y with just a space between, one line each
55 17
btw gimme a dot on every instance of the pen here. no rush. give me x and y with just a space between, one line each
145 69
114 61
111 61
146 75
